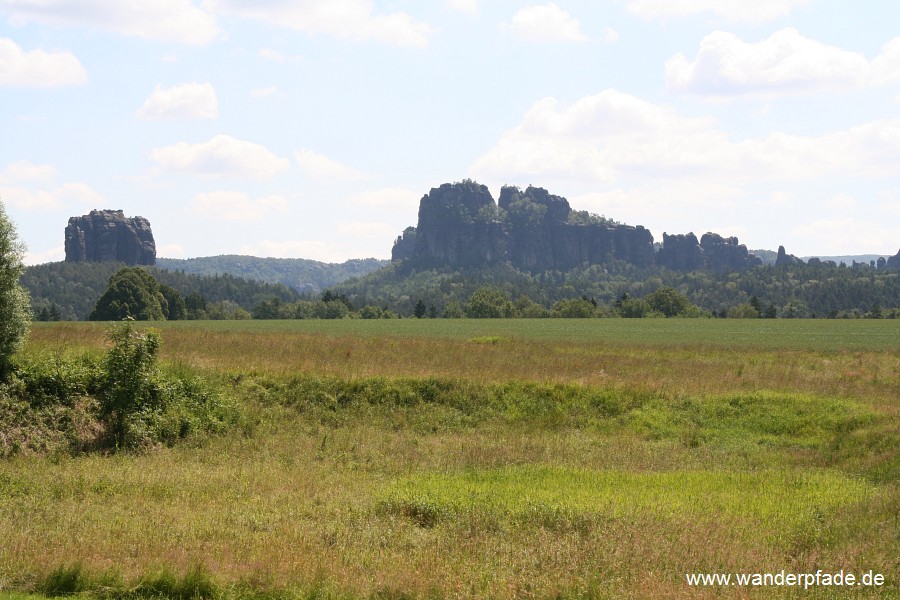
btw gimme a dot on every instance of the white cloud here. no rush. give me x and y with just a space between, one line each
24 171
348 19
886 66
367 229
48 198
784 62
610 36
613 136
276 56
264 92
846 235
779 199
38 68
223 156
55 254
470 7
387 198
269 54
166 20
184 101
545 23
29 186
842 203
317 166
751 11
171 251
235 206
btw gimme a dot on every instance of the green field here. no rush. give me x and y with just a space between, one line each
466 458
805 334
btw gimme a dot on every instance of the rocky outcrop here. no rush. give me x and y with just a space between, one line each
681 253
726 255
534 230
787 259
893 263
712 252
458 225
404 245
108 235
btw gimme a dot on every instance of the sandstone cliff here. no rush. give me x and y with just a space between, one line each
534 230
460 224
787 259
893 262
107 235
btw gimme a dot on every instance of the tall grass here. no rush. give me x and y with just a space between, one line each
371 464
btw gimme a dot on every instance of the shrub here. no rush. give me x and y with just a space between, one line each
141 406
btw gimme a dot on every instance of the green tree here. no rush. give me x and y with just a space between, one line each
574 308
668 301
633 308
420 310
489 303
743 311
176 309
131 379
131 293
453 310
15 307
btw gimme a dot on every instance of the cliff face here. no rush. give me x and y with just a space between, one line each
107 235
459 224
893 262
787 259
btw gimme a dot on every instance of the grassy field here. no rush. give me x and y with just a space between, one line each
553 458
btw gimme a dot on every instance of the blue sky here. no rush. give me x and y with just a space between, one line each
311 128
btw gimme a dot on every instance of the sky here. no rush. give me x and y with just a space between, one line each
312 128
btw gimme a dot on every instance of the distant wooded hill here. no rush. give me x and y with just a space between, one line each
797 290
70 289
300 274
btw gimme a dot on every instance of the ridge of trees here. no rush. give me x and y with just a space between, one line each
303 275
70 290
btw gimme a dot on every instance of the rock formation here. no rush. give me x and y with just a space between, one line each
107 235
893 263
404 245
726 255
680 253
787 259
460 225
531 229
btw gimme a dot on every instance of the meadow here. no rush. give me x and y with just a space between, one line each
469 458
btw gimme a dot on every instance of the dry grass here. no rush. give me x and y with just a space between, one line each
698 368
297 501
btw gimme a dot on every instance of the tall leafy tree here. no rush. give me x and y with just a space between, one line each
132 292
489 303
15 308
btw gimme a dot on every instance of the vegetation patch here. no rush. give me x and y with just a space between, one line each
123 400
775 502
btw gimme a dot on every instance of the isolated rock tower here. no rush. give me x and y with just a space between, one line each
108 235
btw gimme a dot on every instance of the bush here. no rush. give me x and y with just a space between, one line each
141 406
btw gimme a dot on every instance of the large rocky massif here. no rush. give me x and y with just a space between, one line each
108 235
460 224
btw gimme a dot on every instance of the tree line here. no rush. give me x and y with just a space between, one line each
133 292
